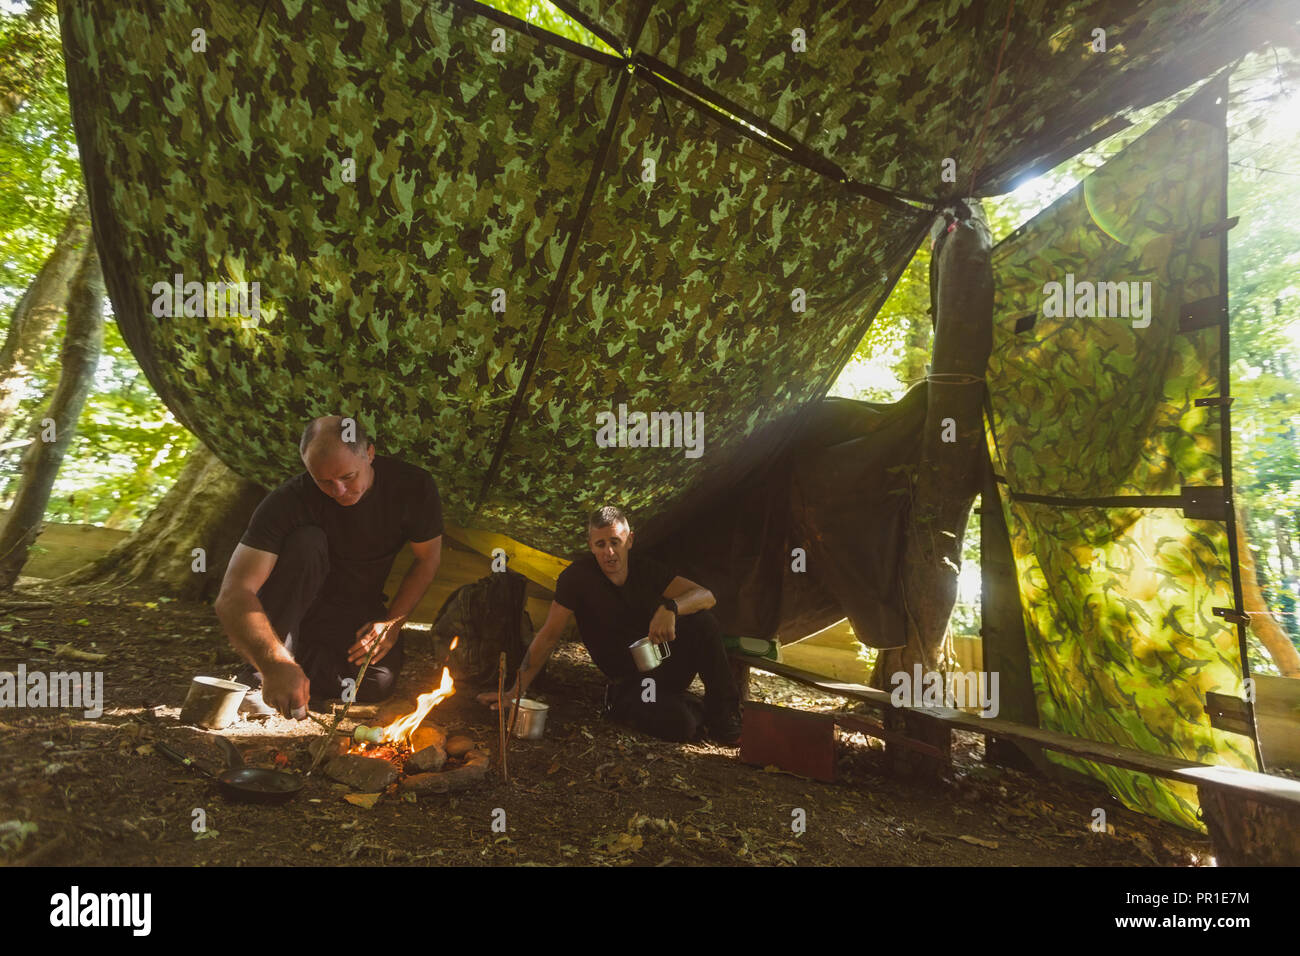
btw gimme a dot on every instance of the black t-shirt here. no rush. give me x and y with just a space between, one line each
611 617
401 505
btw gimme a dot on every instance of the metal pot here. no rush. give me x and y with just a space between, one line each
531 721
648 655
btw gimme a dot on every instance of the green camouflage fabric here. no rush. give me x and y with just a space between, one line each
1118 601
887 91
471 165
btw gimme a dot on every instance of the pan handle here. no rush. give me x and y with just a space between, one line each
234 759
178 757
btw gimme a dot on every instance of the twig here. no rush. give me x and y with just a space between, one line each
519 693
338 717
501 713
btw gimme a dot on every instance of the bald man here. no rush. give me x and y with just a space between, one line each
302 597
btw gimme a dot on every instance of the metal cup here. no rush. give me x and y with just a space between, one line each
648 655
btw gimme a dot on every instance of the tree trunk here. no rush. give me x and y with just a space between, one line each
1265 626
1285 555
43 458
208 508
948 475
38 310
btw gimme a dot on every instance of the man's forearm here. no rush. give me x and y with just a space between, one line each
534 658
250 631
417 580
697 599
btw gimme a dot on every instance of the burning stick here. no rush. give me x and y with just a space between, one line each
501 713
338 718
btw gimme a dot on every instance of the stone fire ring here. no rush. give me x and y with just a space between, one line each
374 774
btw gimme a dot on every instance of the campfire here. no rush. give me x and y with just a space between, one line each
416 757
395 739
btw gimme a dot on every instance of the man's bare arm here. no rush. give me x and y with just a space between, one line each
418 577
249 629
428 555
538 651
690 597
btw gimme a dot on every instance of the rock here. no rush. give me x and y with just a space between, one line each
390 710
367 774
334 746
427 737
427 760
475 769
458 746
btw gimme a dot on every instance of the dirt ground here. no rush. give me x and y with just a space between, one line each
78 791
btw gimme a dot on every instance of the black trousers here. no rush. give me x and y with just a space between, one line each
319 628
665 708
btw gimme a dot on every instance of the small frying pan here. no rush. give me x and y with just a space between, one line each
238 782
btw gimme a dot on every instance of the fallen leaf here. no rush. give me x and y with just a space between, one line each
315 847
365 800
976 841
144 750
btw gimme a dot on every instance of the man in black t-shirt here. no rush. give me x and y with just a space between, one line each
619 598
302 597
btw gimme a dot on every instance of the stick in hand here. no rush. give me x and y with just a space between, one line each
501 713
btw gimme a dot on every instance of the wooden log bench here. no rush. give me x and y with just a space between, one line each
1253 818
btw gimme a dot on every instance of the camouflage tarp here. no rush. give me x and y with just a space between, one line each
487 158
886 91
1097 429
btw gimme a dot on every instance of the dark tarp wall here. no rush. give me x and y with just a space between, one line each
522 171
839 492
1098 425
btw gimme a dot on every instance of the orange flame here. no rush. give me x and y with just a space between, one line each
398 733
454 641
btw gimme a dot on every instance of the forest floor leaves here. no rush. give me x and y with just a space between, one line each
81 791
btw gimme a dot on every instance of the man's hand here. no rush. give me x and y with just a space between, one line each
489 697
383 633
663 626
285 687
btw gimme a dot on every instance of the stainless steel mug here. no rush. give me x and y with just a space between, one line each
648 655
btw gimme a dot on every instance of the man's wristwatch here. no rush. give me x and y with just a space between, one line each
670 604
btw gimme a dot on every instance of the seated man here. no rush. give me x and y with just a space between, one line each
301 599
618 599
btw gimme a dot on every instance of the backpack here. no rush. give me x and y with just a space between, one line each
489 616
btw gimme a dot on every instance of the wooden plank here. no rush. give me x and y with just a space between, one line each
857 691
862 725
1263 788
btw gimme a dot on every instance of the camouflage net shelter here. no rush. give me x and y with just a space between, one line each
476 237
